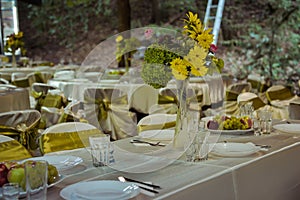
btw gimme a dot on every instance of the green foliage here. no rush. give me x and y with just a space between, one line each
156 75
271 47
156 69
159 54
179 4
63 19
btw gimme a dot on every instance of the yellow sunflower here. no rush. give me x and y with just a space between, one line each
192 18
205 39
196 59
179 69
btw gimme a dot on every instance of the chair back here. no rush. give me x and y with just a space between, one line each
235 89
278 92
294 110
143 98
245 97
66 136
12 150
157 122
21 125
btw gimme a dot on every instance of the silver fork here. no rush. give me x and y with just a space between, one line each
145 142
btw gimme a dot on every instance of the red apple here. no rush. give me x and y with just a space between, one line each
3 174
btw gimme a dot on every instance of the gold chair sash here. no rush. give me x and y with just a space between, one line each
231 95
104 104
13 150
146 127
24 83
280 94
25 135
52 142
21 125
113 115
165 99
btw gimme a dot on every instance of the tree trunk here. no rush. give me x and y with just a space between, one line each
156 17
124 23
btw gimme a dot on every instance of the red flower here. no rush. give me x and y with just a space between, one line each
148 33
213 48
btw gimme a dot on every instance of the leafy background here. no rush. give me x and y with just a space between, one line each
257 36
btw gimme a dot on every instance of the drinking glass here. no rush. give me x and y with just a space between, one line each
36 173
10 191
265 121
100 149
198 147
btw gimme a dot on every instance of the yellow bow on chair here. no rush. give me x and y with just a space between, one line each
13 150
22 82
278 92
52 142
167 97
146 127
21 125
113 115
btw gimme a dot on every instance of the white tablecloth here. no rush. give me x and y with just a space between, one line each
268 175
14 99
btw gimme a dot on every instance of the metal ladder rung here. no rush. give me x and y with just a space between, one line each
216 19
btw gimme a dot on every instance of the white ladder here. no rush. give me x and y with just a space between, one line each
217 18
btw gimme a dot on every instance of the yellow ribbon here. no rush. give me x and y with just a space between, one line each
165 99
24 83
13 150
53 101
147 127
231 95
36 95
281 94
39 77
104 105
52 142
25 135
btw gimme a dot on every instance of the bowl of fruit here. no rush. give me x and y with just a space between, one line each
230 124
14 172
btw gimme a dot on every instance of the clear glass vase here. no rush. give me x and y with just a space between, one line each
181 136
13 60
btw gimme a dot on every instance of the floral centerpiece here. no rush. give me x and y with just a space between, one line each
13 43
191 53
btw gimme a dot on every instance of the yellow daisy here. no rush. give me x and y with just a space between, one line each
196 59
192 18
205 39
179 69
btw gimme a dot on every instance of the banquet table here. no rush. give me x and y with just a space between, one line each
27 70
13 98
74 89
272 174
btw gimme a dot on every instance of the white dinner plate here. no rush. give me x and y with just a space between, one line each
288 128
231 149
161 135
100 190
60 162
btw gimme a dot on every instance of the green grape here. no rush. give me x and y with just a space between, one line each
52 174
